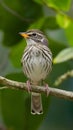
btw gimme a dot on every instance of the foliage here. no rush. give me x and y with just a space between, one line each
54 18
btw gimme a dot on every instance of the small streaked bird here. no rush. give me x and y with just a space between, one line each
37 64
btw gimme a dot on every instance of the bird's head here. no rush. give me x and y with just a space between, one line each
34 36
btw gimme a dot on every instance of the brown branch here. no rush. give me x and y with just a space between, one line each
39 89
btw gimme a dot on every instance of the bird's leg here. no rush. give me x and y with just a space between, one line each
47 89
28 83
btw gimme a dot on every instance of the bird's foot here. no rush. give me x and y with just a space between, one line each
28 83
47 89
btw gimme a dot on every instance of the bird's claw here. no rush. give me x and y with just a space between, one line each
47 89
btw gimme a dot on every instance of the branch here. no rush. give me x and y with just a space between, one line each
39 89
63 77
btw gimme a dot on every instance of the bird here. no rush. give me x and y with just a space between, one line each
36 63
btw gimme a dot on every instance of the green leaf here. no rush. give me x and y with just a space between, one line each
45 23
56 4
63 20
38 24
50 23
39 1
64 55
69 33
16 53
59 4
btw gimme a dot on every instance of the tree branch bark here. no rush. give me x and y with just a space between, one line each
39 89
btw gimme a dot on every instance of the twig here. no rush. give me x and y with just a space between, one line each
39 89
4 87
63 77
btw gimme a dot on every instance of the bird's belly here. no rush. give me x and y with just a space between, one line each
36 63
36 67
38 71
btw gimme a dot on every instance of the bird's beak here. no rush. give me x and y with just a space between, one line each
25 35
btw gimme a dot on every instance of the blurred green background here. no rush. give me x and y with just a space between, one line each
55 19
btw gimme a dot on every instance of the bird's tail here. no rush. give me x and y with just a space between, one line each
36 104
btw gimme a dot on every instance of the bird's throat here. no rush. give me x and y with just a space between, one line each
30 42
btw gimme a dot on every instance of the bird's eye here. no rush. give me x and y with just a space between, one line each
34 34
